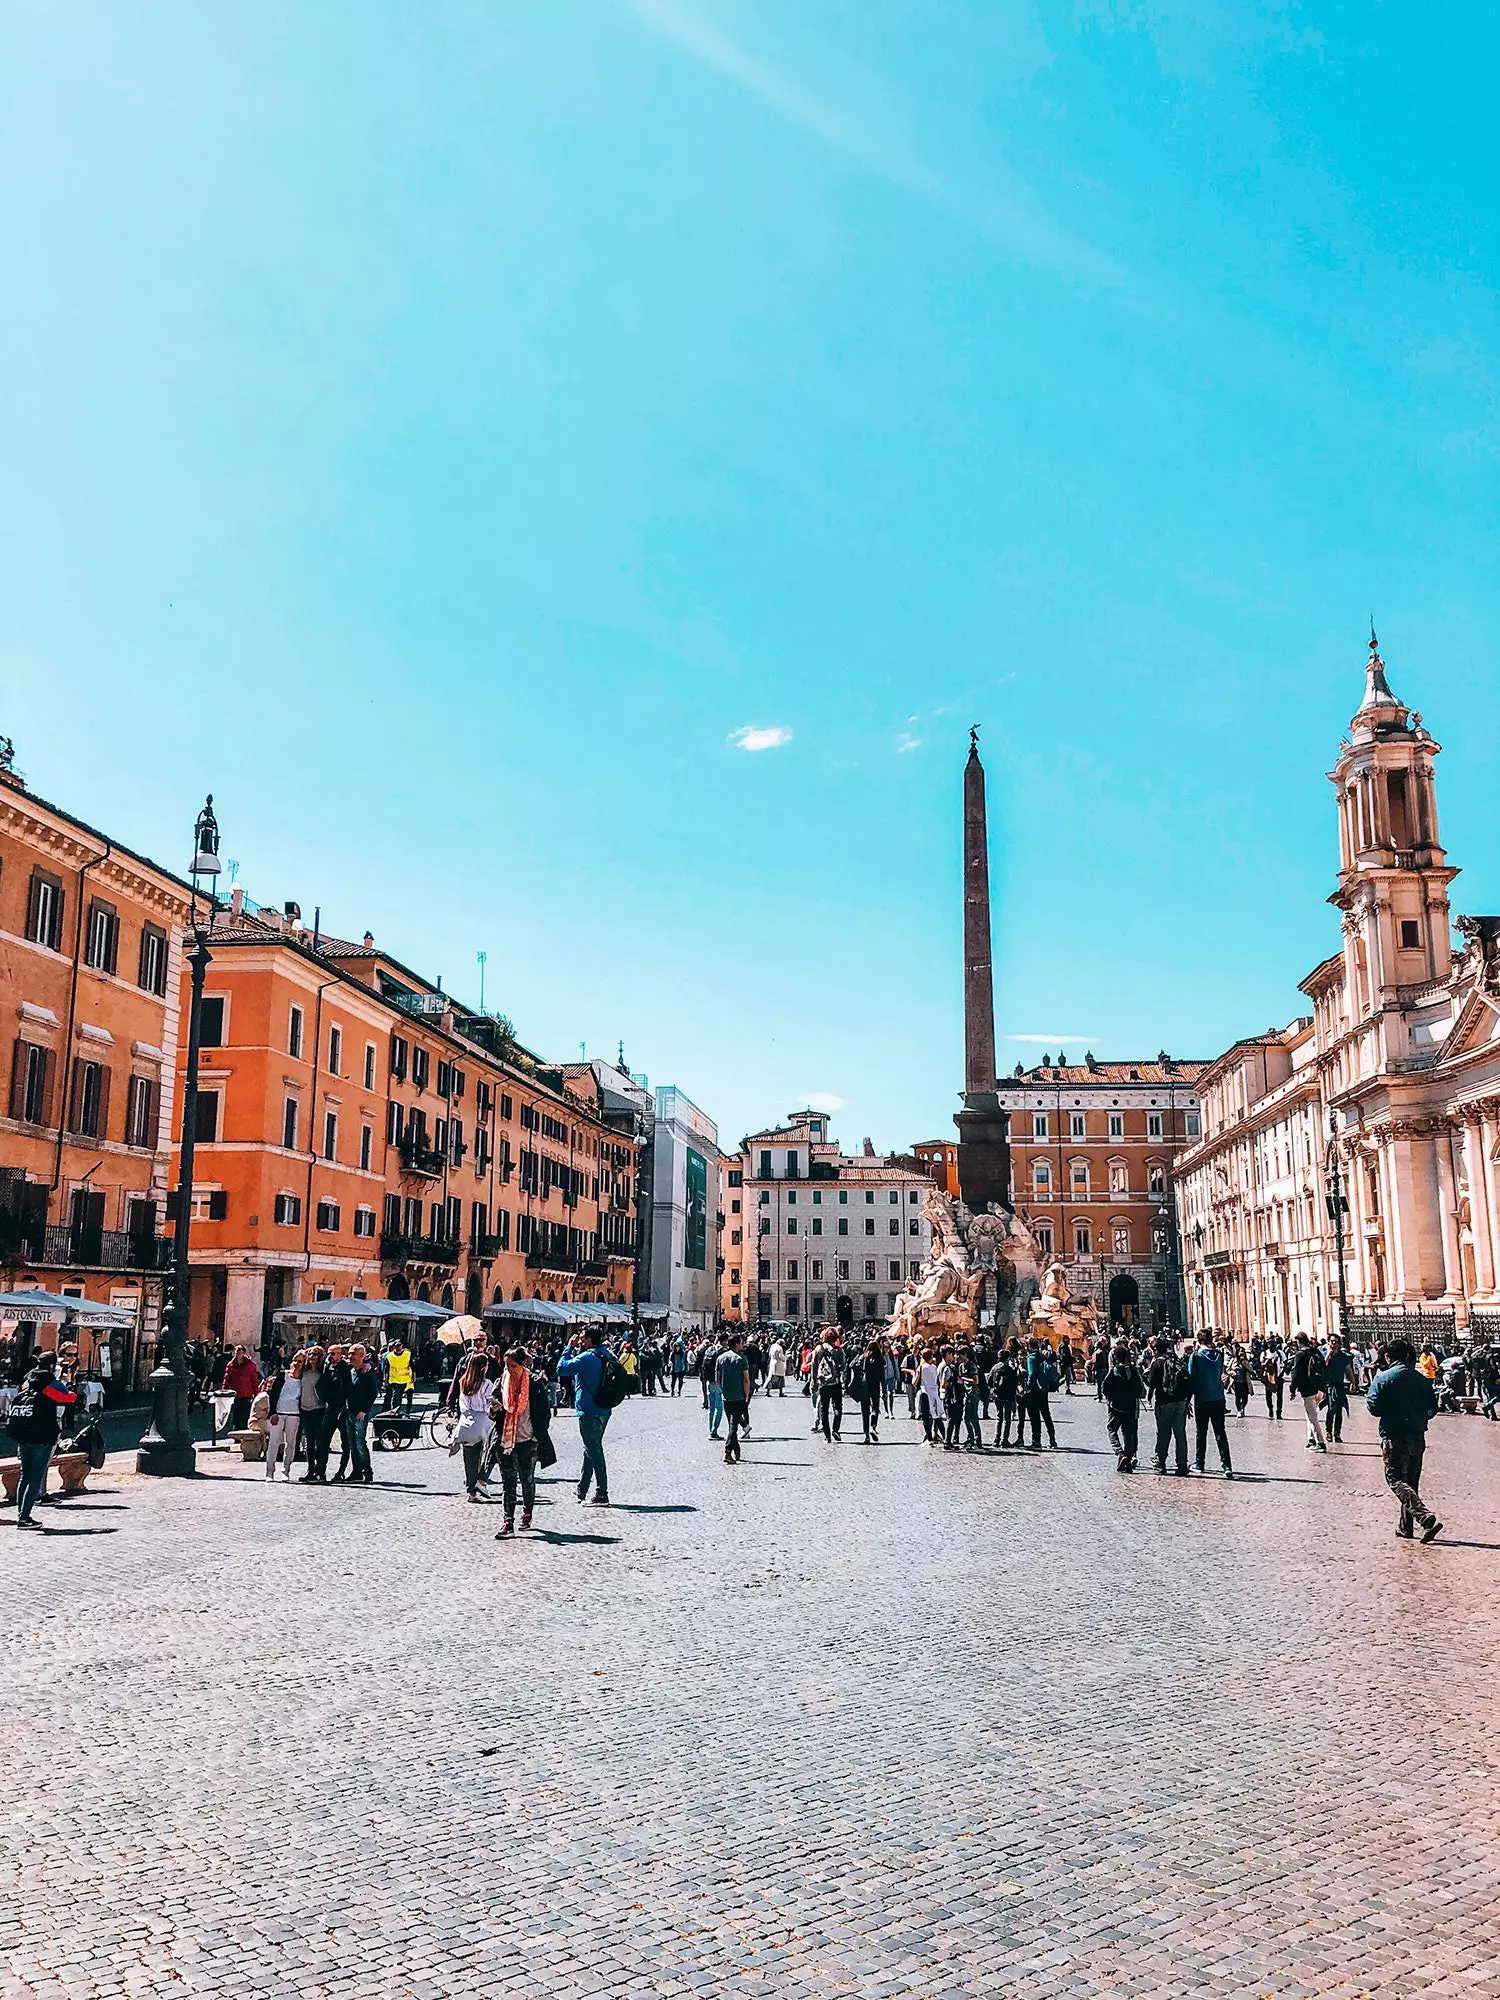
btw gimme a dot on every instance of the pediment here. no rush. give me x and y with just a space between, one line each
1477 1028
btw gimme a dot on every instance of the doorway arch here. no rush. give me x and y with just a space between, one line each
1124 1301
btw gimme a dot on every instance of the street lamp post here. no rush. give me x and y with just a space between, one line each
1337 1203
167 1447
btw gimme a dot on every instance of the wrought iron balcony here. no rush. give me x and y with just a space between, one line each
59 1246
421 1161
397 1248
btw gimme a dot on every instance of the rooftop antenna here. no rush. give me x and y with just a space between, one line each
481 957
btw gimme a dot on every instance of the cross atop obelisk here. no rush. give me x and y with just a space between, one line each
983 1137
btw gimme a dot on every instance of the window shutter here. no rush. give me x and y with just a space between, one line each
218 1205
18 1079
75 1106
33 900
103 1125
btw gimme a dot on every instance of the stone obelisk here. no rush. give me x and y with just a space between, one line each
983 1137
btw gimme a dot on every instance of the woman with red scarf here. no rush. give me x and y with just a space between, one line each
513 1407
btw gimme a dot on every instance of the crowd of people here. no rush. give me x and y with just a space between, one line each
503 1394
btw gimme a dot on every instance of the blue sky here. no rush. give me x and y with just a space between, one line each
443 431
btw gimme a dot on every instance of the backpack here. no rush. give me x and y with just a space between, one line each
27 1423
1051 1378
614 1383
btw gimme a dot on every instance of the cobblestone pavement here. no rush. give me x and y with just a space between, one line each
839 1721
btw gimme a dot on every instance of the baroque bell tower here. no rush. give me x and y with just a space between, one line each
1393 874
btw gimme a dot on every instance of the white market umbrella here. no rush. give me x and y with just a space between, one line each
458 1332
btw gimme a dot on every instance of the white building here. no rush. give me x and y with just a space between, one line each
814 1233
1386 1098
685 1221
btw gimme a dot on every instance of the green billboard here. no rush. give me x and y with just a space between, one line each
695 1236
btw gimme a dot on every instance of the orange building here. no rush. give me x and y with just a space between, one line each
940 1158
359 1132
90 954
1092 1148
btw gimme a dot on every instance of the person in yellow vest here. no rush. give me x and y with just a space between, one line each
1427 1364
398 1375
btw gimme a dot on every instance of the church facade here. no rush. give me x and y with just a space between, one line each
1348 1165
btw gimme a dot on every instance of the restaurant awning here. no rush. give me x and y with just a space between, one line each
50 1306
356 1312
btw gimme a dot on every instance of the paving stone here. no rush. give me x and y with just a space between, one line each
859 1722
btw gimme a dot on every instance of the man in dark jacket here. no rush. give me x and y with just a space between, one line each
1309 1380
1404 1403
1167 1379
33 1423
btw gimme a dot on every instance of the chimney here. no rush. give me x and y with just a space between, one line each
237 901
293 914
369 940
869 1149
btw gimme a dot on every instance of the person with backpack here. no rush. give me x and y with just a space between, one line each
827 1378
1040 1380
1206 1377
1309 1380
33 1423
1167 1379
600 1385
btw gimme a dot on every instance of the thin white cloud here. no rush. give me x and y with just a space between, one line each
1014 223
754 737
1050 1041
906 741
822 1100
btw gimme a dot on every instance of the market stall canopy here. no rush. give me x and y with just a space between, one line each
38 1305
342 1312
557 1312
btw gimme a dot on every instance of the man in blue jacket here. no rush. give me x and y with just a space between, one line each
1404 1403
1206 1378
585 1372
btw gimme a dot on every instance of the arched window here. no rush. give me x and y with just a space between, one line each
1119 1177
1078 1173
1041 1178
1156 1177
1083 1240
1121 1234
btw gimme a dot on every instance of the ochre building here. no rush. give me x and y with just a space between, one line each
90 955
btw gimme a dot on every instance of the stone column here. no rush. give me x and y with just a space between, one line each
244 1308
1447 1193
1487 1182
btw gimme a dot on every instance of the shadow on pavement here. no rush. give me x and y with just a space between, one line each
645 1507
1453 1543
559 1539
48 1529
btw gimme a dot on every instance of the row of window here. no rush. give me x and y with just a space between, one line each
790 1226
86 1113
817 1305
815 1269
1078 1126
1083 1239
913 1196
1079 1179
46 904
